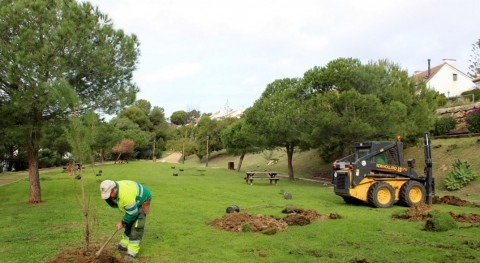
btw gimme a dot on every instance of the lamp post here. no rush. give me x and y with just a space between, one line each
206 164
183 153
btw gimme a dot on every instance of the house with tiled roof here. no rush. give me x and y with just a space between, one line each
446 78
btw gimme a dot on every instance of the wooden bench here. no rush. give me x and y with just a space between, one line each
253 175
71 168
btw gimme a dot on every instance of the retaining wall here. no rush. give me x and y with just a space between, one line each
458 113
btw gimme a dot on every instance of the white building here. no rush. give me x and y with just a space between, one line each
227 113
446 78
477 82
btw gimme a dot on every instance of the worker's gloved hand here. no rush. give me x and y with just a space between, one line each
119 225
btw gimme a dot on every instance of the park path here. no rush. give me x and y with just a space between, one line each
13 177
172 158
7 178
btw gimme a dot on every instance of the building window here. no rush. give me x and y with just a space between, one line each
454 77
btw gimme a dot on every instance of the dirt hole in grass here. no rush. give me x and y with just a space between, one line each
449 200
421 212
269 225
78 255
466 218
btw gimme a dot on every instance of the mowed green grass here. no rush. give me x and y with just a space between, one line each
177 229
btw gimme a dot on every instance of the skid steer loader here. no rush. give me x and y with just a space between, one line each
375 174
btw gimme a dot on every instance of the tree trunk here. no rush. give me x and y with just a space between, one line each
290 161
240 161
33 140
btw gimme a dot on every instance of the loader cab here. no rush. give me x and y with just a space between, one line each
386 152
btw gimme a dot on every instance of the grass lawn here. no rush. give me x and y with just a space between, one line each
177 229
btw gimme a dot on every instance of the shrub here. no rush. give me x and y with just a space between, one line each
47 158
441 100
473 120
440 222
443 125
461 175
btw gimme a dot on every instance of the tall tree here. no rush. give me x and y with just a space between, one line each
207 133
374 101
279 117
138 116
106 136
161 130
145 105
474 68
340 74
240 139
131 130
49 44
179 117
153 126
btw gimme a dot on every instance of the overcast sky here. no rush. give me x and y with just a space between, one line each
210 55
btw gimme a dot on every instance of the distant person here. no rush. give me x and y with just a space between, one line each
133 199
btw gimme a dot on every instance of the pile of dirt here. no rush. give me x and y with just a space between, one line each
301 217
449 200
416 212
236 222
420 212
244 222
78 255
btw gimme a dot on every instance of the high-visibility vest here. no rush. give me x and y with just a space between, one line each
130 197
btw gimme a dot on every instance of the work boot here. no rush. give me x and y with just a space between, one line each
119 248
129 257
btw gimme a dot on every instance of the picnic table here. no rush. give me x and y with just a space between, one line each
254 175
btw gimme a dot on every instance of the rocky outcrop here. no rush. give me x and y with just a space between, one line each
458 113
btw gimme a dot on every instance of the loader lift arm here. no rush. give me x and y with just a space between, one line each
428 168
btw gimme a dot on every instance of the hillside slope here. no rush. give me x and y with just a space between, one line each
309 165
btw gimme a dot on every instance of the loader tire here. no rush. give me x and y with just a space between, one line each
412 193
381 195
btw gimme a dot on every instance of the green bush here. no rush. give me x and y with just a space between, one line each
440 222
473 120
47 158
441 100
443 125
461 175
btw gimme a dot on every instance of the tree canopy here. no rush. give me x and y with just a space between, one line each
279 117
377 101
48 47
474 68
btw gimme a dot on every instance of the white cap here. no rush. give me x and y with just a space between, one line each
106 188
